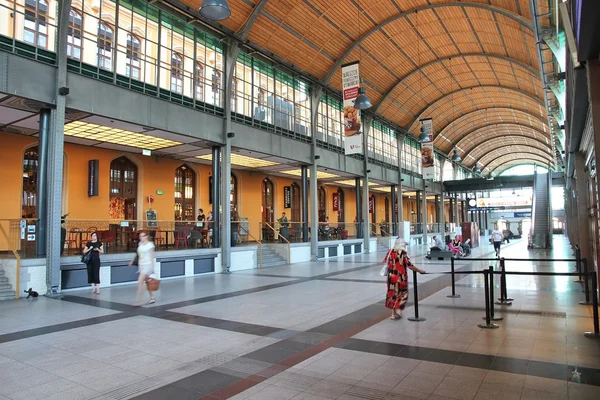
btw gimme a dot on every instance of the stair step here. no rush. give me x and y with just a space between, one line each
5 286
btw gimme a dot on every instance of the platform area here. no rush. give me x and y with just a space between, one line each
316 330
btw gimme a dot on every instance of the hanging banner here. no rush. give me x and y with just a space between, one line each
336 201
287 197
371 204
427 154
353 143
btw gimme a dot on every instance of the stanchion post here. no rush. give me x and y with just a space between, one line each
416 318
488 323
503 300
492 316
586 283
596 333
578 263
453 295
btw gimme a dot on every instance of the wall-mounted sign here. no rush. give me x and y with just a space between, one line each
31 237
93 166
125 224
287 197
23 225
336 201
522 215
151 221
30 228
159 192
371 204
146 152
497 202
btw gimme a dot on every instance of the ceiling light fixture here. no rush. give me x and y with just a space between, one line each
243 161
476 169
215 10
456 158
362 102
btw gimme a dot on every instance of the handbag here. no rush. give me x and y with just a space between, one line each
85 258
384 270
135 261
152 283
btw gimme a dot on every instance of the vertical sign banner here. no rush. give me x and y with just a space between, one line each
352 123
93 166
336 201
427 154
287 197
371 204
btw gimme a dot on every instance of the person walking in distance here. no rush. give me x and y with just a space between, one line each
146 263
397 278
497 237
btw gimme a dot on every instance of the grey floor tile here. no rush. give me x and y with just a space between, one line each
206 382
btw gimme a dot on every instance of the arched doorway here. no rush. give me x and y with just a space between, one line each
185 193
296 203
322 204
123 189
341 206
268 201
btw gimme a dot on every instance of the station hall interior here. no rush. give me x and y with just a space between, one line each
273 155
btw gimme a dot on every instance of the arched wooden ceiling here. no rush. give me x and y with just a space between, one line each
513 163
501 145
489 163
442 59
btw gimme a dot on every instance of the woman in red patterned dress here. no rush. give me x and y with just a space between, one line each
397 278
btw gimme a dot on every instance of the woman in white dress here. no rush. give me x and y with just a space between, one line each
146 263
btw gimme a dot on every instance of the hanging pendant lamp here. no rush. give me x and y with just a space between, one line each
215 10
362 102
456 158
476 170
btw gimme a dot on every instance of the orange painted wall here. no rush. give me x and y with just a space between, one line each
11 173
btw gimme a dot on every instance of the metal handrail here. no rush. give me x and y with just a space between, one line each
279 235
18 258
247 231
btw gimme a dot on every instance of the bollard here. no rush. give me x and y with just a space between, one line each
586 284
578 263
492 316
416 318
453 295
503 300
596 333
488 323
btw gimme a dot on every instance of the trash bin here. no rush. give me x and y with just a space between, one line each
285 232
234 237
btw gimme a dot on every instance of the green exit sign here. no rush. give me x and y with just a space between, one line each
159 192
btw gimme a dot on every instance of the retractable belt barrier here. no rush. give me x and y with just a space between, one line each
488 275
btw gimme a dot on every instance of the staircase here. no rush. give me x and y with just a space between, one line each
6 290
541 215
270 258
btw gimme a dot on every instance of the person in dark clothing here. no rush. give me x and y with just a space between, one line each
201 218
93 266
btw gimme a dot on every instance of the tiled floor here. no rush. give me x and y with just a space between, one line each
308 331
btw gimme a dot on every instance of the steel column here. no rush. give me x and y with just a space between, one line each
394 215
359 216
315 99
42 183
304 177
367 223
424 216
216 201
56 148
583 219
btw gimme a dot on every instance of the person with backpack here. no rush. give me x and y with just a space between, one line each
397 278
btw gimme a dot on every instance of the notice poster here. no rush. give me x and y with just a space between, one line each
352 123
427 154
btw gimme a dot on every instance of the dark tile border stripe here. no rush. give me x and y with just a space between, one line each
589 376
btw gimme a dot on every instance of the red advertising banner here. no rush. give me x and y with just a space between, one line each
336 201
371 204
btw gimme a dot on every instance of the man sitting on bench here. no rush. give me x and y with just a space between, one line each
438 244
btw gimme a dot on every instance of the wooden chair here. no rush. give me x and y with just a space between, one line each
159 240
71 241
181 236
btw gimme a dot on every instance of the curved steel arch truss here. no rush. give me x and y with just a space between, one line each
497 142
501 168
534 72
522 155
467 151
516 17
520 92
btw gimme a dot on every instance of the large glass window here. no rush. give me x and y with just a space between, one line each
74 35
329 121
35 30
185 184
134 56
199 81
123 189
30 170
176 73
383 143
411 159
105 46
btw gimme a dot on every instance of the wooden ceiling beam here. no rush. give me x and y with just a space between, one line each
521 155
509 14
520 92
513 163
529 68
493 141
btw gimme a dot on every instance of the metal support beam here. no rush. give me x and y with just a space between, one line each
517 18
56 148
367 119
231 53
216 201
359 215
304 177
42 183
315 98
425 241
244 31
394 215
